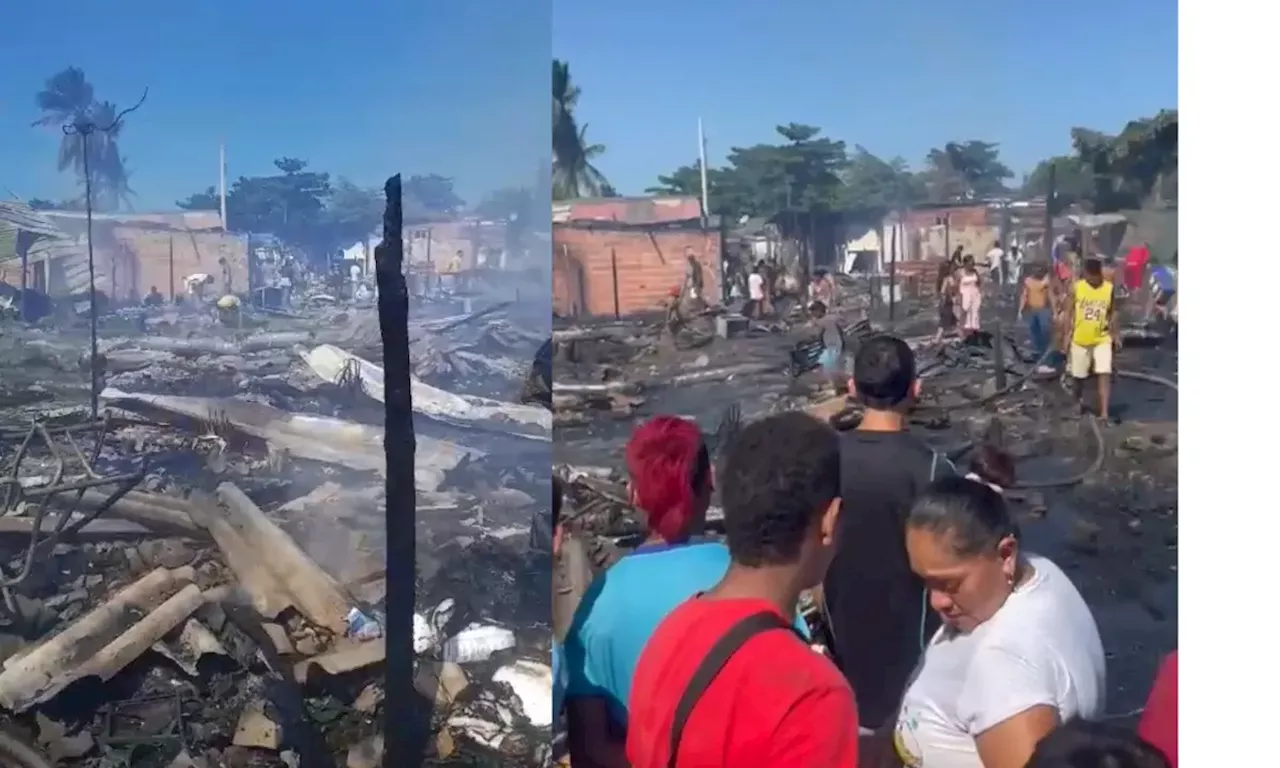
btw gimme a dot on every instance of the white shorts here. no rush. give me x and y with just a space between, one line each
1097 357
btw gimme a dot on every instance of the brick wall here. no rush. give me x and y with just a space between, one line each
650 263
972 228
140 259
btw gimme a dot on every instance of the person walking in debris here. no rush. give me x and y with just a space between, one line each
670 485
196 285
874 604
995 265
823 288
724 680
754 307
153 298
1164 292
1018 653
1036 305
226 274
1091 337
693 282
970 289
831 335
947 288
229 311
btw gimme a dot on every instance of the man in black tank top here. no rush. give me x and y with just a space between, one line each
876 607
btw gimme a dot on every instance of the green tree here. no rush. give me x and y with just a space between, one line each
965 170
290 204
1132 168
724 195
801 175
1073 180
573 175
67 99
430 196
516 207
874 186
351 213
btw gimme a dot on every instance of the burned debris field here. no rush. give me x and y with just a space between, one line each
1099 500
196 576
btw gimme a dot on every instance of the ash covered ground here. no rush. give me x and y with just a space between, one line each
1114 530
201 547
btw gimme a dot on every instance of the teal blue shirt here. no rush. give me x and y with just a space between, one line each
622 608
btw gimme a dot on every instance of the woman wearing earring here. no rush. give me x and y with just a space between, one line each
1018 653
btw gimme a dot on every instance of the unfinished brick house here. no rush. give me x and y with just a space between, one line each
132 252
614 257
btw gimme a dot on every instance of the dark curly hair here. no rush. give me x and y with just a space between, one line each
1085 744
779 475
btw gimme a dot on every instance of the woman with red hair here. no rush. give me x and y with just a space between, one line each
670 488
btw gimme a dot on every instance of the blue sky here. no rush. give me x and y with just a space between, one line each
458 88
461 88
897 76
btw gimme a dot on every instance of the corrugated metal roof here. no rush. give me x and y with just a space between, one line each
628 210
15 216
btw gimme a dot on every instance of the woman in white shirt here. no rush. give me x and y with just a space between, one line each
1018 653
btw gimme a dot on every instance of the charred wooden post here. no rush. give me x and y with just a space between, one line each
403 725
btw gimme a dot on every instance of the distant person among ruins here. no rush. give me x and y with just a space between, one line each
1036 305
153 298
823 288
1086 744
831 359
970 290
1016 264
196 285
874 604
725 680
1018 653
948 286
995 264
754 307
1164 293
1091 335
670 486
693 281
1135 267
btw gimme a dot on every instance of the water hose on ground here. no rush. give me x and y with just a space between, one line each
1095 430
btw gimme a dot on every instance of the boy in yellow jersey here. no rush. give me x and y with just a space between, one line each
1091 342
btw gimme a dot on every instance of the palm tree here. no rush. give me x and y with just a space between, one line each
68 97
572 172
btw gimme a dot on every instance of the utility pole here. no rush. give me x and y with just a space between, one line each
83 127
702 167
222 184
1048 213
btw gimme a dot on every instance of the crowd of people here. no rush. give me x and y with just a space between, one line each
939 642
1069 305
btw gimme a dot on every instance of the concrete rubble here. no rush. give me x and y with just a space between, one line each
196 578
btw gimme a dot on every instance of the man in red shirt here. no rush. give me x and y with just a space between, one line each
1159 724
1135 266
725 680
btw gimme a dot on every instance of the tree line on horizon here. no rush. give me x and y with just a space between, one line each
301 206
807 173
